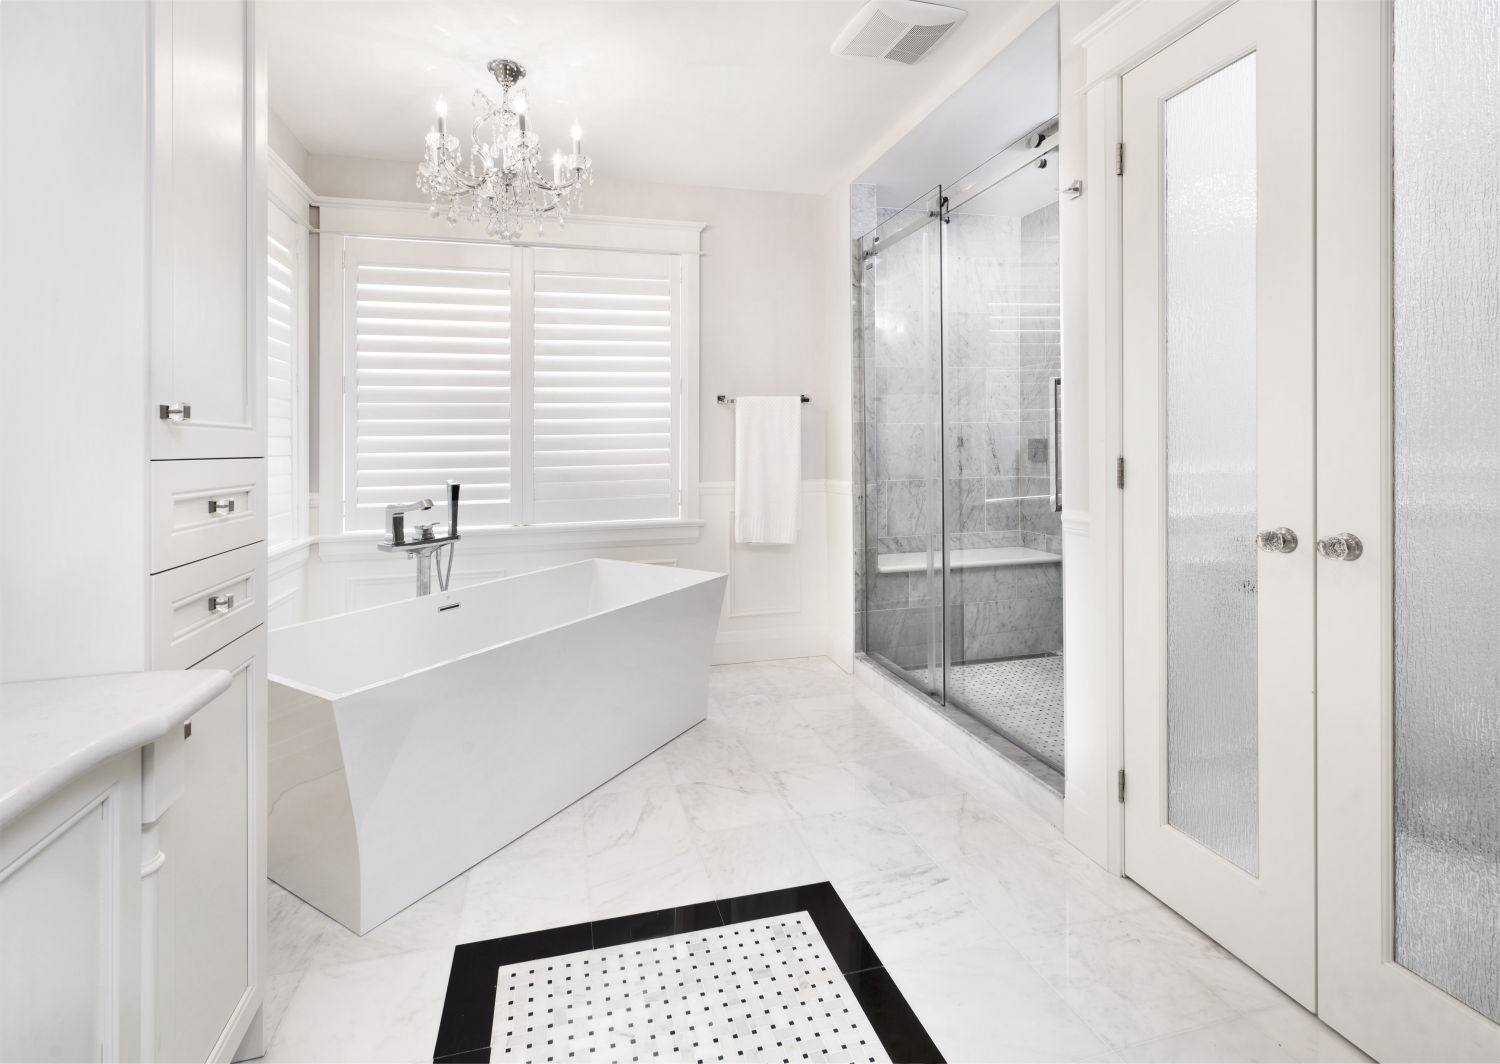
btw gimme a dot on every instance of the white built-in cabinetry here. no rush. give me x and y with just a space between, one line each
135 424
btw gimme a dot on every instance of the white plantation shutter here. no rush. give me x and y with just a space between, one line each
429 389
605 403
285 281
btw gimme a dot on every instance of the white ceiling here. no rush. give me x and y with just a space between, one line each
733 93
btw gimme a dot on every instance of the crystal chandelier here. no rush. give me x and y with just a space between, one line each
502 185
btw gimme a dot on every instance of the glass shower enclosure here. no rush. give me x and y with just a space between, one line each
960 582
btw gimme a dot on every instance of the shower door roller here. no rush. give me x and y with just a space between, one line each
1277 540
1344 547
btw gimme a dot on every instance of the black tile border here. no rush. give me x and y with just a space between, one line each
468 1020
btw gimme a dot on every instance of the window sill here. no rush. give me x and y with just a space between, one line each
349 546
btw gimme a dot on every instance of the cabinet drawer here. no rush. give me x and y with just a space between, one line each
197 608
205 507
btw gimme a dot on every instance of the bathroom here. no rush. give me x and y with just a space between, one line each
547 490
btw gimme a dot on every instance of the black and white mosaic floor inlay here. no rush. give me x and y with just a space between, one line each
784 975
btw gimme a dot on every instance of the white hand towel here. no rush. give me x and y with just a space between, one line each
767 467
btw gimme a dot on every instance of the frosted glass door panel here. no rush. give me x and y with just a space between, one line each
1209 217
1447 495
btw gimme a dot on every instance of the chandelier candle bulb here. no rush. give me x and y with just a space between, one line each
577 140
442 115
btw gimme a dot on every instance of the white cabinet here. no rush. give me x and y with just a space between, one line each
171 107
69 894
214 874
206 373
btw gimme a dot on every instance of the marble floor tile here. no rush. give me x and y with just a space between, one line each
759 858
1239 1039
989 1005
509 894
858 842
1009 943
906 777
1303 1036
813 790
1126 988
646 875
650 815
740 800
430 923
913 911
378 1010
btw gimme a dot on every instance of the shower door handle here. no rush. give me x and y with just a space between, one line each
1054 458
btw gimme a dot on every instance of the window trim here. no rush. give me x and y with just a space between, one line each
340 218
300 376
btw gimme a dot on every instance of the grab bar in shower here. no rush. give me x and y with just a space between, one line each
1054 460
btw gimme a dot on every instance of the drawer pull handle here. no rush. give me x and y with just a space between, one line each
175 412
218 604
221 506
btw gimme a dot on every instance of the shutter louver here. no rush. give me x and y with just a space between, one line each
282 285
432 369
604 413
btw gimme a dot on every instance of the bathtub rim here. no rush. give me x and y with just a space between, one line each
704 576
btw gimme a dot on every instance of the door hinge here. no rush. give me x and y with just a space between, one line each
1120 472
1120 159
1121 789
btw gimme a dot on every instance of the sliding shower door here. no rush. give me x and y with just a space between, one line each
1409 465
1002 376
901 296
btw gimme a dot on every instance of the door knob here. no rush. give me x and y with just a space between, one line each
1277 540
1344 547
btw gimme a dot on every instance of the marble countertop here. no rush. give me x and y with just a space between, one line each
53 731
968 558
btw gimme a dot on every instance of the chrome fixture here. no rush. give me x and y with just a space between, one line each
426 545
1054 448
220 605
1073 191
502 185
1344 547
1277 540
730 402
220 506
175 412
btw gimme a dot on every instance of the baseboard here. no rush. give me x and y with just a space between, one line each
769 644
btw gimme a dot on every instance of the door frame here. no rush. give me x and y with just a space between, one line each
1125 36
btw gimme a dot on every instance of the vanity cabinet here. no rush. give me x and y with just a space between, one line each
213 877
70 882
147 292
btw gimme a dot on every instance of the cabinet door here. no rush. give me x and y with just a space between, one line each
204 356
213 838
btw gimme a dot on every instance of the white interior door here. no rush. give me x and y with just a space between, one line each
1409 462
1218 428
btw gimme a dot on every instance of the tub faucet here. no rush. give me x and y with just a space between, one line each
426 546
395 518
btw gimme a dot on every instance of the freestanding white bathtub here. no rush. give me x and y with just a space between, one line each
411 741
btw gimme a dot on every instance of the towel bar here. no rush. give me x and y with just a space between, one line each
726 402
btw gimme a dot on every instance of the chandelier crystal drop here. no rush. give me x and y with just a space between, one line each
502 184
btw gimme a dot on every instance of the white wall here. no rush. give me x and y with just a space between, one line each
73 267
762 331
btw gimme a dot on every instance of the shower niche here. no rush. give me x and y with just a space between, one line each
958 421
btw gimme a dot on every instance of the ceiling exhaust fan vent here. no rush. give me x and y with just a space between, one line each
899 30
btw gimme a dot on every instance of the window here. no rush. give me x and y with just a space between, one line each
286 286
546 380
